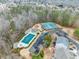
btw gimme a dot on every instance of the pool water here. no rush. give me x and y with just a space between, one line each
49 26
27 39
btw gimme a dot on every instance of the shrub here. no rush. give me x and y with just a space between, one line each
15 50
21 34
54 15
42 14
47 40
12 26
65 18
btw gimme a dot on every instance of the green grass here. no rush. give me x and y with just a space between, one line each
76 33
37 57
40 56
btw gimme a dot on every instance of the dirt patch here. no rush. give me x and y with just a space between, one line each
25 53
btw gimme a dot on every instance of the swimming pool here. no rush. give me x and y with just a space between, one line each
49 26
27 39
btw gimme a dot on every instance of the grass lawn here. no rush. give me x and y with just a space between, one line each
76 33
37 57
40 56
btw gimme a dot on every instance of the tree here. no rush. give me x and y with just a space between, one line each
54 15
47 40
65 18
12 26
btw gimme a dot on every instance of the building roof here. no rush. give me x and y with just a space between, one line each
63 41
37 44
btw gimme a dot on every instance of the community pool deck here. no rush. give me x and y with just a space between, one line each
25 52
31 35
41 28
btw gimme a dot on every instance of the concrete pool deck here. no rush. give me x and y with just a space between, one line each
25 53
38 27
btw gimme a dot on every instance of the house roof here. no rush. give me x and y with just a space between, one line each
62 40
37 45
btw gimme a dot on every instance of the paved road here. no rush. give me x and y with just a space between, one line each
73 40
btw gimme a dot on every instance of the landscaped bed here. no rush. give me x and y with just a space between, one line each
40 56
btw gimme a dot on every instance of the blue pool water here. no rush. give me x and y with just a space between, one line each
28 38
49 25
